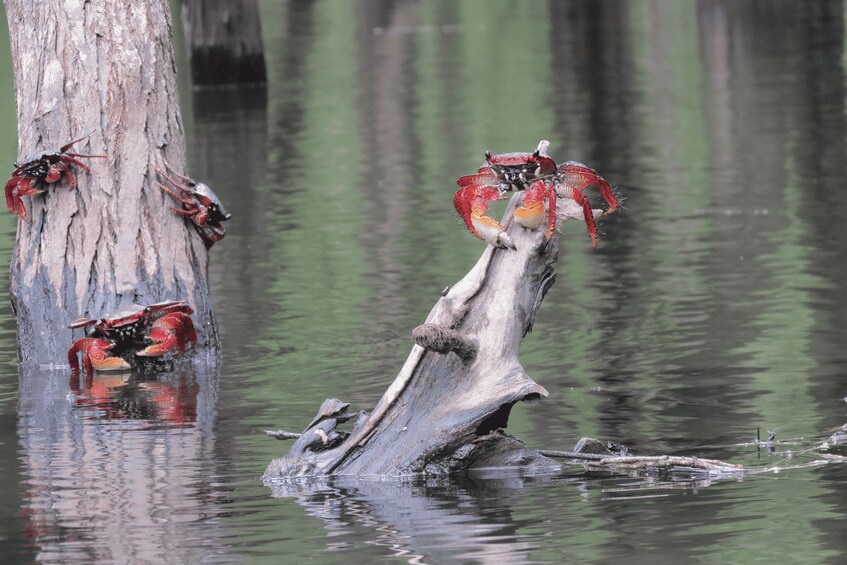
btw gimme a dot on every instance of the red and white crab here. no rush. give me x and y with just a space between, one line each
113 341
199 204
32 175
541 179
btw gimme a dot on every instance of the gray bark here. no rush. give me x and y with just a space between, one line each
106 68
225 41
446 410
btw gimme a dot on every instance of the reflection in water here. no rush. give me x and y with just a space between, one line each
425 522
124 396
115 465
487 518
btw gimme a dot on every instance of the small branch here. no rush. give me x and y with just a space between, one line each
670 462
573 455
625 462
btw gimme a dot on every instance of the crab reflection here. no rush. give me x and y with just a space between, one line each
118 456
169 399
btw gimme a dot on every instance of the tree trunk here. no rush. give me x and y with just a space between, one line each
105 69
447 408
225 41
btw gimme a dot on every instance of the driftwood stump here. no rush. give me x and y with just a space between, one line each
446 410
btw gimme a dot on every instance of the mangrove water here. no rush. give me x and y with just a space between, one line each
715 304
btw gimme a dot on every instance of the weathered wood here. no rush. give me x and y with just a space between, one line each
225 40
104 68
444 411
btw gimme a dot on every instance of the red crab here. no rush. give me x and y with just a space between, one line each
34 174
199 204
541 179
120 333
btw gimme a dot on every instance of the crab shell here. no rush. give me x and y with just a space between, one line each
204 194
122 317
518 170
168 306
132 314
35 168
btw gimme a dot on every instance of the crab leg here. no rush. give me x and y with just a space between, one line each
70 144
78 163
173 182
581 177
64 148
568 191
187 180
551 207
174 195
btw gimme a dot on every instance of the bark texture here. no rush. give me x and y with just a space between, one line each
447 408
225 41
104 69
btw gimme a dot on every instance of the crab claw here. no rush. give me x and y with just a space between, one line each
169 332
16 187
531 213
471 202
95 356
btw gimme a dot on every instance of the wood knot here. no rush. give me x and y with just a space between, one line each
441 339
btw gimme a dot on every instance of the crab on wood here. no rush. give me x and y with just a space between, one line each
114 340
541 180
199 204
32 175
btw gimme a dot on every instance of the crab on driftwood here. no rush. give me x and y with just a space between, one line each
448 408
540 180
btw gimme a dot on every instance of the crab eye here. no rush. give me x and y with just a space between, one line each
488 156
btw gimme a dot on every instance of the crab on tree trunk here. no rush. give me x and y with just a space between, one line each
449 405
113 240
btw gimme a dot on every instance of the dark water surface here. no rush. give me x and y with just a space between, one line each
715 304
